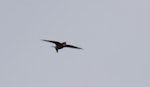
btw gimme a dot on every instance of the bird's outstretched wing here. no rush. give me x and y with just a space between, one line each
71 46
55 42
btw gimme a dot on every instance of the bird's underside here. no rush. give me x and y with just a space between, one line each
60 45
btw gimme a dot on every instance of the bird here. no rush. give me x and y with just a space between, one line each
60 45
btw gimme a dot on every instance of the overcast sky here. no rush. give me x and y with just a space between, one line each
115 36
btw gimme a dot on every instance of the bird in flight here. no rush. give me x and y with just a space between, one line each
60 45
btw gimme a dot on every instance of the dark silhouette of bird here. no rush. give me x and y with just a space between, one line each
60 45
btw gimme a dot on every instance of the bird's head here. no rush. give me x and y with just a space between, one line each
64 43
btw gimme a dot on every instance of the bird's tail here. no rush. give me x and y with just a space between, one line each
55 49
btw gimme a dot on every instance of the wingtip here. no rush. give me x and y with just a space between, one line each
44 40
81 48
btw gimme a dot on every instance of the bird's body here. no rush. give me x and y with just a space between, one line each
61 45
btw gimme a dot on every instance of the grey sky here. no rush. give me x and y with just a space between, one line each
115 35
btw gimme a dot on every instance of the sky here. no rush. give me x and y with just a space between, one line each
113 33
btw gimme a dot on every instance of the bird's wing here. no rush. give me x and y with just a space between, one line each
71 46
55 42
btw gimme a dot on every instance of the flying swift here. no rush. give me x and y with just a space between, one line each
60 45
